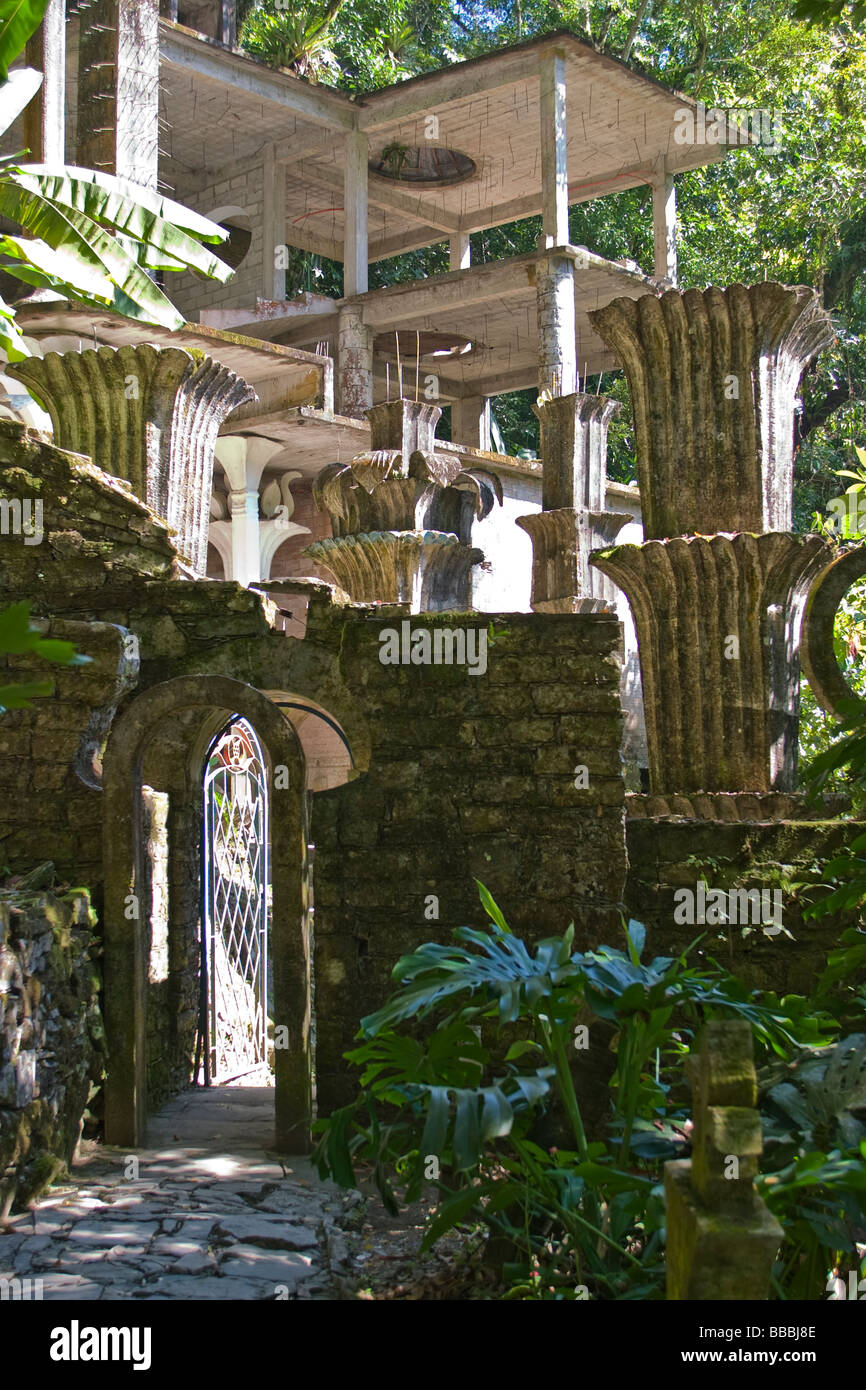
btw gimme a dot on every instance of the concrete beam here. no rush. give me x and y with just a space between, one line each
407 205
188 52
455 290
421 95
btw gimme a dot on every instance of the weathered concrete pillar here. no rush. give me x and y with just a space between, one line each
470 422
557 342
148 415
355 252
721 1239
665 228
710 613
354 383
459 252
574 520
45 117
401 515
118 89
713 376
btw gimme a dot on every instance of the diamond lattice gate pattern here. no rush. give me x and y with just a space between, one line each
235 916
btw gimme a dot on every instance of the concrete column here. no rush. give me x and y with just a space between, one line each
459 252
45 117
273 226
244 461
354 385
355 203
470 422
557 329
118 89
665 228
554 163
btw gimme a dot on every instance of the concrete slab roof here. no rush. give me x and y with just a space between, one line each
493 305
219 107
282 377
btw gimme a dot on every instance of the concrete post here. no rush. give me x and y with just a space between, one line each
45 117
355 202
354 384
118 89
554 163
460 256
721 1239
665 228
273 226
557 328
470 422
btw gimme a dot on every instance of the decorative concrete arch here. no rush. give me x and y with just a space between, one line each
126 965
817 657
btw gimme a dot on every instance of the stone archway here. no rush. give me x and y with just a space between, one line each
125 919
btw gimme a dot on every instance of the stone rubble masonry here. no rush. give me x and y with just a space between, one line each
457 776
50 1034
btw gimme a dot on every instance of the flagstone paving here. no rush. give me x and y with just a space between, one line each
207 1211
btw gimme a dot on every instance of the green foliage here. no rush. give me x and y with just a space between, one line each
295 37
19 19
88 236
591 1214
20 637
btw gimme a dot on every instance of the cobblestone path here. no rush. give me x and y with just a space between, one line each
205 1212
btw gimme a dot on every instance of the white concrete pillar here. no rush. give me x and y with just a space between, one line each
470 422
554 161
355 255
45 118
665 228
354 384
244 461
459 252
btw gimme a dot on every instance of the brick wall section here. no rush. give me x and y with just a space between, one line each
191 293
470 777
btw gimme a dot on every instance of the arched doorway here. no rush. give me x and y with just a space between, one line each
127 911
233 1026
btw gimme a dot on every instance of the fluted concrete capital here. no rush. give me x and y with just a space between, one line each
713 376
717 623
562 541
146 414
428 570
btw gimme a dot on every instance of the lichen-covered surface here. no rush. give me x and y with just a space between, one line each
50 1034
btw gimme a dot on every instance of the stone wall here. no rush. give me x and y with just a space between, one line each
665 855
50 1034
457 776
469 777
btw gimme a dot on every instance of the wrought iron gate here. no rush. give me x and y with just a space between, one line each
235 910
